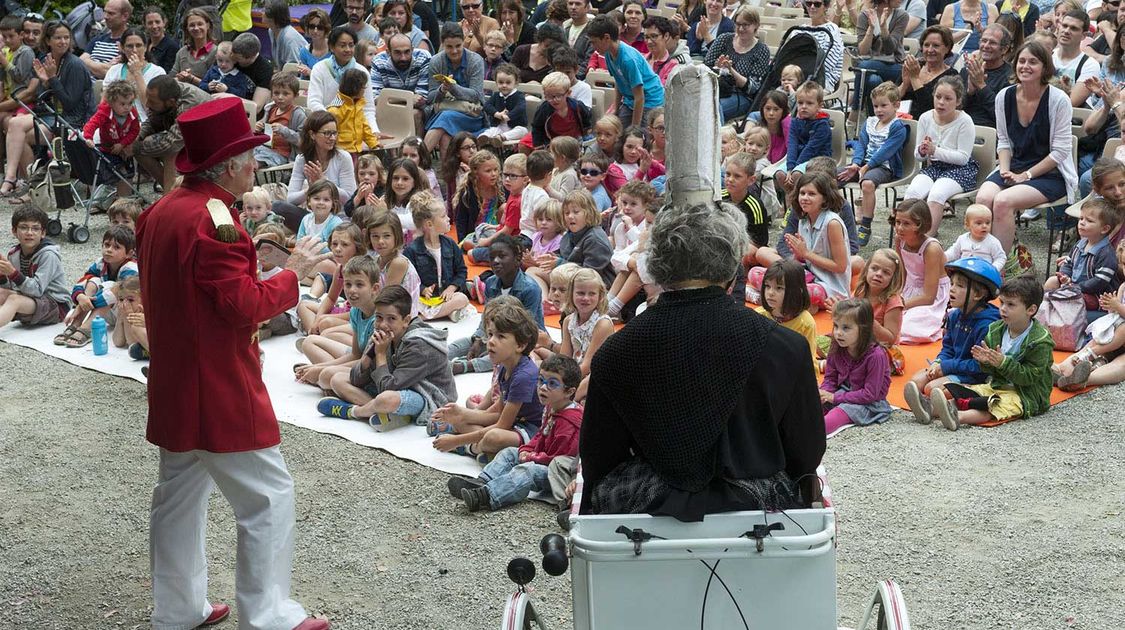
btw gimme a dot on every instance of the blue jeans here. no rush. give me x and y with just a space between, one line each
877 72
479 255
460 348
735 105
509 481
625 113
1086 184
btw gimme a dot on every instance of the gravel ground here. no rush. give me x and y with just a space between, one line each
1012 527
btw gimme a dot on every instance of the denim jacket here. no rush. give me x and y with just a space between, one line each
453 270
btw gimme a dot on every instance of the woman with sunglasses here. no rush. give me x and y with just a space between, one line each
475 24
162 46
830 39
316 25
741 61
197 55
72 92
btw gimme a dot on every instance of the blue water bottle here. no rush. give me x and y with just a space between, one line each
99 335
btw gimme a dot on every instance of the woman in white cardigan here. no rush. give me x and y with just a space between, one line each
319 158
945 141
324 84
1035 157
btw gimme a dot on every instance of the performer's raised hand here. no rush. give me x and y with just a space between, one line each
308 253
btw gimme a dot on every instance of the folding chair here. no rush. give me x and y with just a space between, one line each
789 12
394 109
984 152
532 104
251 110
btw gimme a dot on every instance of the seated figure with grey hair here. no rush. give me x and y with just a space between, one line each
724 418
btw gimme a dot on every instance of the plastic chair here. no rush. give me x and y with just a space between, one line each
598 102
910 168
251 110
394 109
489 87
911 45
601 78
98 91
984 152
531 89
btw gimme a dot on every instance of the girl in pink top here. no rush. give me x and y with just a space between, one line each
774 116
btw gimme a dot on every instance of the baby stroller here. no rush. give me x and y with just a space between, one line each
800 48
58 167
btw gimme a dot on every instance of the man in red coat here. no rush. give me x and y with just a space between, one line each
209 411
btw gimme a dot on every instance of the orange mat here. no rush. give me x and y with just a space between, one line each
915 356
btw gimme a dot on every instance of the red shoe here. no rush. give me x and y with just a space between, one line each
219 612
313 624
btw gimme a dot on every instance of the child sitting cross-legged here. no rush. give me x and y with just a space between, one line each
857 373
33 286
117 124
515 472
124 212
318 318
129 331
973 282
587 325
978 241
513 419
91 294
329 357
1016 356
1092 264
402 371
438 262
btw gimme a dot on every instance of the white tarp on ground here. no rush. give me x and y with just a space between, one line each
293 402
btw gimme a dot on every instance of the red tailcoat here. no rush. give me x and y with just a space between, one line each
203 302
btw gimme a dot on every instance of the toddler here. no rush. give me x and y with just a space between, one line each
974 283
878 154
323 203
629 224
91 294
757 144
354 129
257 210
633 285
506 109
548 237
282 122
1102 360
635 163
978 241
1092 263
33 287
730 142
857 374
438 261
117 125
810 134
592 171
1015 355
402 376
124 211
564 177
130 331
791 78
516 472
224 77
514 418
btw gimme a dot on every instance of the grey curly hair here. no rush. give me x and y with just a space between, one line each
215 172
699 242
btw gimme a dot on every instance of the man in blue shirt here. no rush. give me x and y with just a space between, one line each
638 87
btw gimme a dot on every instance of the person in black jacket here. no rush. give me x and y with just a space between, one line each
559 114
726 415
447 279
505 110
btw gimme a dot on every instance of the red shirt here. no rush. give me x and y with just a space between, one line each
558 435
564 126
512 214
203 303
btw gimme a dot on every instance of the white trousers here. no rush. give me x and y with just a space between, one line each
922 187
258 486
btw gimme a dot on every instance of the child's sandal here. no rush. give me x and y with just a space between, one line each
64 336
78 339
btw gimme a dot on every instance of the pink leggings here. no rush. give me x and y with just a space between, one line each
834 419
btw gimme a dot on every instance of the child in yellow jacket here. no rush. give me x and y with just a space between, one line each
351 122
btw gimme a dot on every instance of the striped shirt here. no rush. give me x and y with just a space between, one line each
105 48
757 219
415 79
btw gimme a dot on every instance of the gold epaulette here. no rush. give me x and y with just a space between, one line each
220 216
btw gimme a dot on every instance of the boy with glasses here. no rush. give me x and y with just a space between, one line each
591 171
33 287
566 116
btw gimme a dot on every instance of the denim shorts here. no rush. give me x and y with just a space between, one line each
410 402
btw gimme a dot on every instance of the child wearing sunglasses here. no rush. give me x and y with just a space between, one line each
591 171
517 471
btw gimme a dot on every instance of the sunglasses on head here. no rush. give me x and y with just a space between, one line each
589 172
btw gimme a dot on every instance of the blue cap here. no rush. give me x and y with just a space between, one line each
977 269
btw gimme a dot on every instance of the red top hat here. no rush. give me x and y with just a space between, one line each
214 131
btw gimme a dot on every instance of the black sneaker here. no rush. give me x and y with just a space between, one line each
476 499
457 484
563 519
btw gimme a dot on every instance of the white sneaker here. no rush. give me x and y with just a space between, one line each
918 403
462 313
1031 214
945 409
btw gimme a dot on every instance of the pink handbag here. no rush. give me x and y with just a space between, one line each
1063 312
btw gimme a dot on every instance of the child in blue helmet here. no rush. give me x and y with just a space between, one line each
972 283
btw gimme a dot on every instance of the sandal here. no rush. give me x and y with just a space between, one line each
78 339
64 336
11 191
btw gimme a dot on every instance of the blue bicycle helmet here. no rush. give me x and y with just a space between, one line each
977 270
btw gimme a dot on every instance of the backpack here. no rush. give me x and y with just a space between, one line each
86 21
